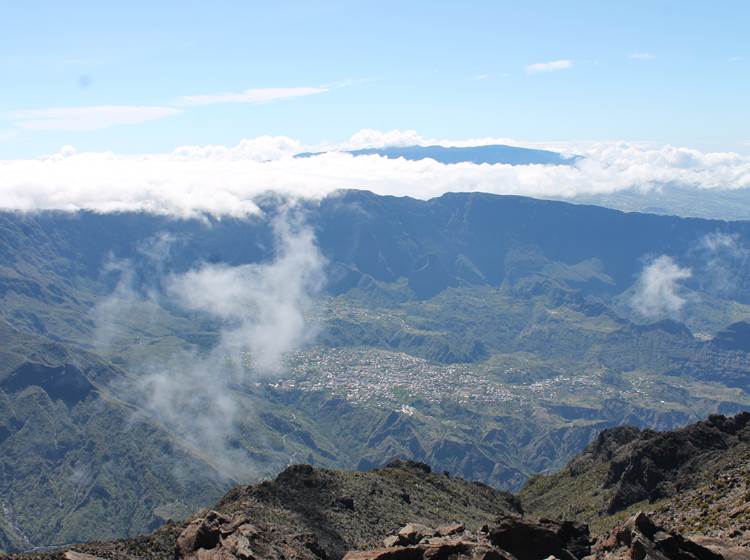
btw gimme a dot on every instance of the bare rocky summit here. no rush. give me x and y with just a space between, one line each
311 513
516 538
639 538
694 480
681 495
509 537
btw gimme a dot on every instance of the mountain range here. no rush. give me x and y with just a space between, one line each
150 363
726 202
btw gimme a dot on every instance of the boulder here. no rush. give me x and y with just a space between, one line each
727 549
391 540
530 539
419 542
73 555
394 553
214 536
639 538
450 529
456 549
345 502
201 533
412 533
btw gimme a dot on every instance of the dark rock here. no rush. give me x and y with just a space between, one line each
66 383
727 549
345 502
408 464
735 337
216 536
294 471
641 539
202 533
396 553
645 468
310 542
443 550
535 540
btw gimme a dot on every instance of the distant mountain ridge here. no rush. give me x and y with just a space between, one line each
488 154
726 203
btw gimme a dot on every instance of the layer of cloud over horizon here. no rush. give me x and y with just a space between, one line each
223 180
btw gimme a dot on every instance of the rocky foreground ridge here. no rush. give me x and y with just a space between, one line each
694 484
215 536
309 512
695 480
516 538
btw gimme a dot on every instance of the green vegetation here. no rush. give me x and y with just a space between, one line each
457 331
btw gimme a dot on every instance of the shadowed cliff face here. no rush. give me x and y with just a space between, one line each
658 465
693 479
66 383
735 337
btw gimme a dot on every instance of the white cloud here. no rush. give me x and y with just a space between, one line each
551 66
481 76
6 135
261 306
262 148
260 311
87 118
223 180
718 241
255 96
658 290
642 56
370 138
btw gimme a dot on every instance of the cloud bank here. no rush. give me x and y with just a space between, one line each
223 180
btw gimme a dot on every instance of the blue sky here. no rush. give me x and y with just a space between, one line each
667 72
